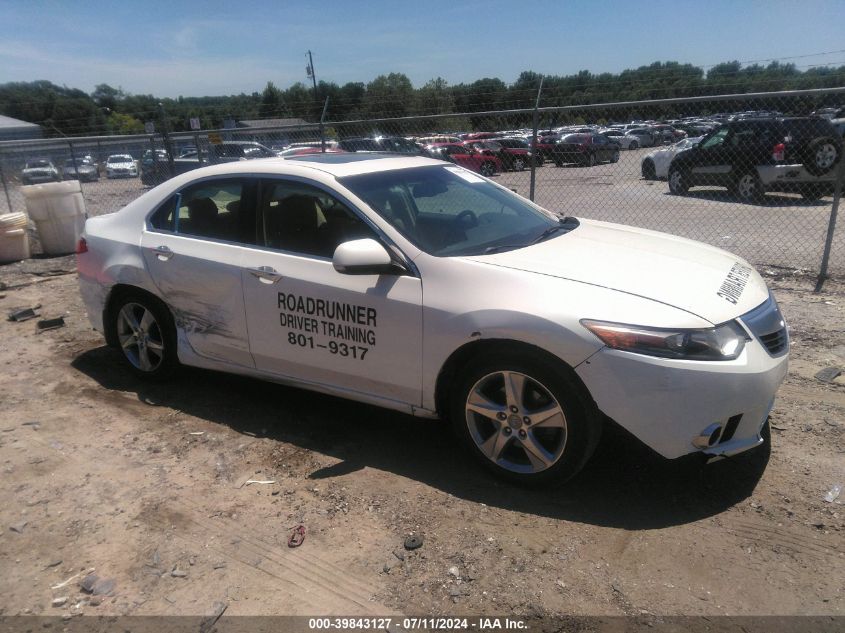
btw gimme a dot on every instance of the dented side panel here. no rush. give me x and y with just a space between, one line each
201 282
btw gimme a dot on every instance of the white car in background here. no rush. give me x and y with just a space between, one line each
644 136
419 286
624 140
655 165
121 166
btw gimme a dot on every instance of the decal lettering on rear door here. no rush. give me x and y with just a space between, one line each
344 329
733 285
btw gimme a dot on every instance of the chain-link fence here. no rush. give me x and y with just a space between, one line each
754 174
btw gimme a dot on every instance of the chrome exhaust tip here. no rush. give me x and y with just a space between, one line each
708 437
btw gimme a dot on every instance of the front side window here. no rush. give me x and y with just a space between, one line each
716 140
301 218
446 210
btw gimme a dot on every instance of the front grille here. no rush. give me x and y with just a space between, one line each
767 324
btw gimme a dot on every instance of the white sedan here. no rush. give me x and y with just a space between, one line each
655 165
121 166
625 141
419 286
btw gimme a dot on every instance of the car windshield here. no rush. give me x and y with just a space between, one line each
79 163
38 163
447 210
119 159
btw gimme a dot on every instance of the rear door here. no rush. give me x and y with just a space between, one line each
306 321
193 247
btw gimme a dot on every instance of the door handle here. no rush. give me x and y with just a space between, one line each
265 274
163 253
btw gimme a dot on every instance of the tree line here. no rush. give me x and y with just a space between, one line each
64 111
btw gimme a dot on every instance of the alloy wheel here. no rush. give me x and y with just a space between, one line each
516 422
140 337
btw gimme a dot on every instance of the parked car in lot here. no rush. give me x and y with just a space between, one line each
655 164
532 330
121 166
460 154
39 170
752 156
625 141
155 171
512 158
392 144
80 170
644 136
585 149
515 146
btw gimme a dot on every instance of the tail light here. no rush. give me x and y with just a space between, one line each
81 246
778 152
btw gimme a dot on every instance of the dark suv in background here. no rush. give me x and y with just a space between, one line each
752 156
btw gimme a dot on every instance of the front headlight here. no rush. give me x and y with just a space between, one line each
723 342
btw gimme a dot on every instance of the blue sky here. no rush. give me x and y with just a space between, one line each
194 48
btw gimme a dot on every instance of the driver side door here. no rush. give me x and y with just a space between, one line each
350 332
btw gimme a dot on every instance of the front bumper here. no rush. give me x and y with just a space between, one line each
667 403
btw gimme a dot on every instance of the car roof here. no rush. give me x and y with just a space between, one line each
337 165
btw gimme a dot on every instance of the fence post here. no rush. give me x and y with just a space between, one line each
5 187
322 128
197 145
73 158
831 224
534 141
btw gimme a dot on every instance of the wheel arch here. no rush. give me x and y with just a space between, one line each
117 292
466 352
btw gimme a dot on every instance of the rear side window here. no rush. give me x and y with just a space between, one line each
213 209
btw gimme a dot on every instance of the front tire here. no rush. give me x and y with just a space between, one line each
649 170
524 418
518 164
634 145
487 169
145 335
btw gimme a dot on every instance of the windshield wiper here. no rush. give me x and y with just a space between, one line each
564 224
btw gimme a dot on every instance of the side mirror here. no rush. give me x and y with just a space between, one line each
362 257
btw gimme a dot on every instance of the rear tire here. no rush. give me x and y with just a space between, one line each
748 187
634 145
487 169
678 182
649 170
524 418
615 157
822 155
145 334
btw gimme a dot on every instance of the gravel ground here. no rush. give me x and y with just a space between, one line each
148 485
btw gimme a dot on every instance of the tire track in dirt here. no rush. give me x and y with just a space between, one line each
323 584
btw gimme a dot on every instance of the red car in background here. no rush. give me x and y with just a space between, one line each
484 164
512 156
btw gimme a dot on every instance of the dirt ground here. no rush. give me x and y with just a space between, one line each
147 485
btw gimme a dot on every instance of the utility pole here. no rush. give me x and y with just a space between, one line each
309 69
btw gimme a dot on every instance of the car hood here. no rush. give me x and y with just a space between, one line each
700 279
35 170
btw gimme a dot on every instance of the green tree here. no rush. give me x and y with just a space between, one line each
271 105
